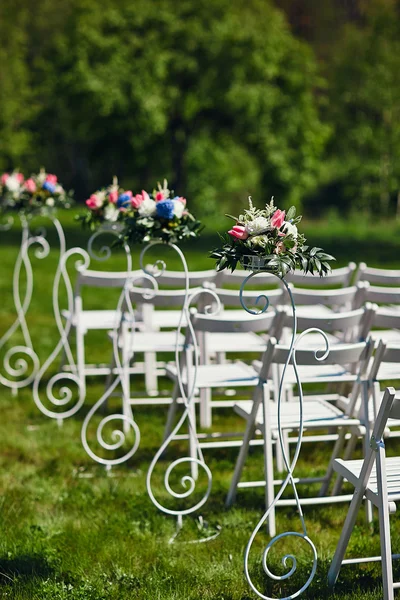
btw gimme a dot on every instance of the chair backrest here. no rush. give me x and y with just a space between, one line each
385 353
341 276
354 325
386 318
177 278
252 298
342 354
225 277
160 298
383 295
105 279
226 324
378 276
349 297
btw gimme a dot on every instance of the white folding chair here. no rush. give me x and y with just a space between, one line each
320 411
323 302
227 375
82 320
337 277
386 325
149 342
376 478
384 277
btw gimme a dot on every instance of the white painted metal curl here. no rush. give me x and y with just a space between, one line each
289 560
65 393
21 362
118 436
188 482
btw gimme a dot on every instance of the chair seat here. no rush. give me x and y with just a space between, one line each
235 342
169 319
226 375
388 336
316 414
351 469
316 310
152 341
388 371
315 373
97 319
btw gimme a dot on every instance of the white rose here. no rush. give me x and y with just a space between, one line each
59 189
12 183
257 226
147 208
179 207
111 212
290 229
50 201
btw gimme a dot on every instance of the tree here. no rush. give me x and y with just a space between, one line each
365 111
217 96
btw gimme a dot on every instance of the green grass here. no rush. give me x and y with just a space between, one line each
69 530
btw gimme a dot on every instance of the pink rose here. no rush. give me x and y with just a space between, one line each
20 178
159 196
239 232
4 178
30 186
94 202
137 200
278 218
51 179
113 196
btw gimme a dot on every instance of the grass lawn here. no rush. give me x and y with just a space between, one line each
69 530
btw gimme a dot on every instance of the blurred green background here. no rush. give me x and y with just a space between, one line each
292 98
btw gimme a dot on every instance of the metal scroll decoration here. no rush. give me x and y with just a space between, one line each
195 460
289 560
65 391
119 436
21 362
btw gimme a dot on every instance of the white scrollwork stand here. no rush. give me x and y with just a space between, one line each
21 362
289 560
59 389
187 392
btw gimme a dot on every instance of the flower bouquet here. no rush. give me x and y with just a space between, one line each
144 217
39 194
268 239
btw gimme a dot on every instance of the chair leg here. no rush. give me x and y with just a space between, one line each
205 408
150 373
80 354
345 536
171 411
269 470
193 439
384 527
244 449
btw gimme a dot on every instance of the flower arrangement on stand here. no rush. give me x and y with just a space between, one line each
40 194
145 217
268 239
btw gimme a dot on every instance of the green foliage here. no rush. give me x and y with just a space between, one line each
365 110
268 239
218 97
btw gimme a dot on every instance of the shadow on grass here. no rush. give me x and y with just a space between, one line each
23 567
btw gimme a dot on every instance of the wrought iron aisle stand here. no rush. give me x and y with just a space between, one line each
21 362
288 561
186 365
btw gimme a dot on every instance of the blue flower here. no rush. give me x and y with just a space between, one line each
165 209
50 187
124 199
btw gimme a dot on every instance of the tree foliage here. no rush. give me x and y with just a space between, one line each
219 97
